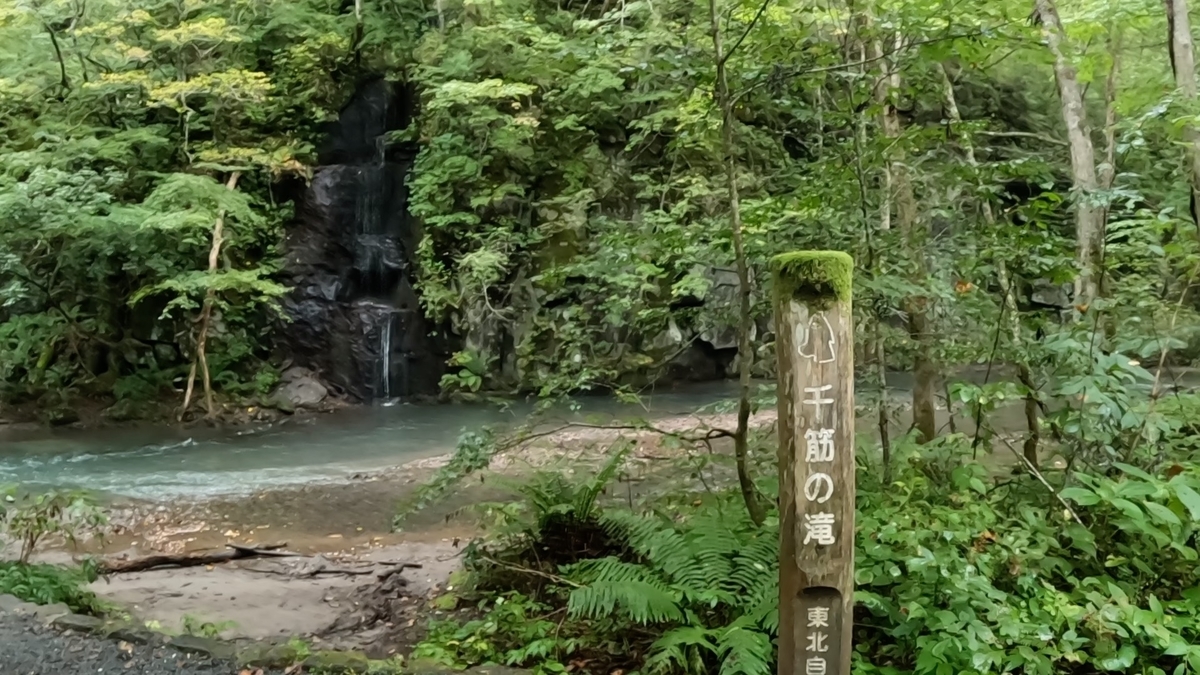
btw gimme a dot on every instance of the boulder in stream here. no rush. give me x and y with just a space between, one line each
300 391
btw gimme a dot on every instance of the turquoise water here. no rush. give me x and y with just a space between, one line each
163 463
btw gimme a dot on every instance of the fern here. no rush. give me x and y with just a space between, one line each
585 501
643 602
711 579
744 651
679 649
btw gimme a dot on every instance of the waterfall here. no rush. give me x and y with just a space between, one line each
357 317
385 352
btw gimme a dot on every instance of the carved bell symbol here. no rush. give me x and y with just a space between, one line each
815 339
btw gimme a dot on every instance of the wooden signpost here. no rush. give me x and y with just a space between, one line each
815 331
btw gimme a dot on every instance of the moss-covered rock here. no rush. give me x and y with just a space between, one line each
60 416
128 631
124 410
265 655
209 647
336 663
79 623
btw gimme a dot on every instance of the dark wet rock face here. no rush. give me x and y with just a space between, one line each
356 319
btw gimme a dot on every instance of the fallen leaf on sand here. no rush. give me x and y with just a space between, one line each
291 669
335 536
125 647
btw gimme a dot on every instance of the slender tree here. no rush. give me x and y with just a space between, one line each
1183 64
745 317
914 232
1089 217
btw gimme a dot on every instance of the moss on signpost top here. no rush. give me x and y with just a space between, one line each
814 276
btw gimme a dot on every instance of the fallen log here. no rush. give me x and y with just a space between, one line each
397 568
318 565
234 552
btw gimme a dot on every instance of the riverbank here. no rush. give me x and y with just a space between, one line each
346 523
307 399
83 413
331 485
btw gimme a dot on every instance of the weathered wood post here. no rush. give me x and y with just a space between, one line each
814 326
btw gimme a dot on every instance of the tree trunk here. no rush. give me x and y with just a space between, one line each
1089 218
1024 374
1108 170
914 234
1183 63
745 317
232 552
210 297
875 349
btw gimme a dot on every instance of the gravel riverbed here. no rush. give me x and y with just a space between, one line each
29 648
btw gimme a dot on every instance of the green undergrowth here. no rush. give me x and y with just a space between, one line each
957 573
50 584
29 519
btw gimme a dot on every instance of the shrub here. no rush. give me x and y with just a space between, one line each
30 518
956 574
49 584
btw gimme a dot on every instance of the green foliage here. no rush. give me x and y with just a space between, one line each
569 179
50 584
473 452
513 631
957 572
111 184
192 625
30 518
710 582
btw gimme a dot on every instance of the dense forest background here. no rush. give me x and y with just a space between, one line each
598 187
576 177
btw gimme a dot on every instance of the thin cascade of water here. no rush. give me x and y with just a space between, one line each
385 353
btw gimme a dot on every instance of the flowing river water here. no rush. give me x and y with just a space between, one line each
164 463
332 482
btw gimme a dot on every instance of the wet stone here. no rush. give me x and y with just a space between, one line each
50 612
77 622
10 603
337 662
267 656
193 644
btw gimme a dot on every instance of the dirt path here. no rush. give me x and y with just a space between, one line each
259 599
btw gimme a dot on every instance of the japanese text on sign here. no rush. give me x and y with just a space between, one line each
818 641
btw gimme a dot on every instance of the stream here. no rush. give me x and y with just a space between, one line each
166 464
162 463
